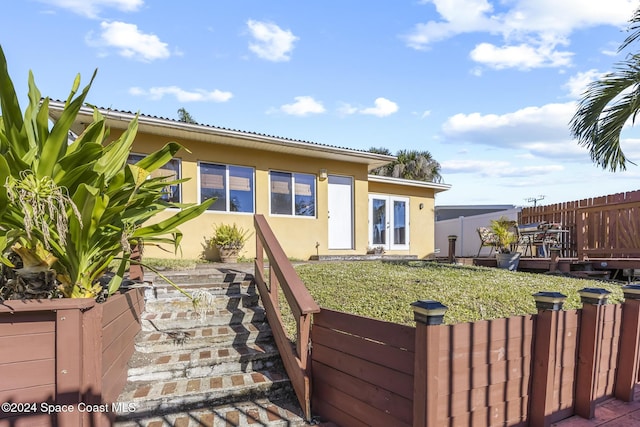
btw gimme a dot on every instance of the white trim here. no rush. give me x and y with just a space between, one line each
409 182
293 194
227 188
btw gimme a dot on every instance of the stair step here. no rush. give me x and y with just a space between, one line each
190 319
169 396
258 412
160 291
207 361
199 277
182 303
180 339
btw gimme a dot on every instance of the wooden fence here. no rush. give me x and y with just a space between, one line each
521 371
65 352
607 226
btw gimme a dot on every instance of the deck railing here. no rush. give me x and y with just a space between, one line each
283 276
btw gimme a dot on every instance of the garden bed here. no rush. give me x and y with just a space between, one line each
66 352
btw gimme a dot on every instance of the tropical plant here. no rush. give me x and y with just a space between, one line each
76 206
409 164
505 236
227 236
607 105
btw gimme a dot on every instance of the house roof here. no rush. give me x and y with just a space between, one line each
437 187
212 134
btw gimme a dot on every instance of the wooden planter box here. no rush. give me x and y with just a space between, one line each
67 352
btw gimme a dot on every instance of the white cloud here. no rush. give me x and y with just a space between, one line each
530 124
91 8
383 107
521 56
304 106
199 95
578 83
542 132
270 41
131 42
534 26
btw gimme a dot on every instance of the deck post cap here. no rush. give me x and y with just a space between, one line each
594 296
631 291
549 300
429 312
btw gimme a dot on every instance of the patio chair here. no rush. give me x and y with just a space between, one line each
487 238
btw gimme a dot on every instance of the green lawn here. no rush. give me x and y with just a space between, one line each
385 290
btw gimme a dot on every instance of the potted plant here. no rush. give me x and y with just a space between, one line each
504 230
229 240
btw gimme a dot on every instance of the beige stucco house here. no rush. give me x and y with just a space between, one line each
318 199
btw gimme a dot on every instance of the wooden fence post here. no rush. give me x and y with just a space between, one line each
629 345
452 248
543 371
428 316
589 348
69 365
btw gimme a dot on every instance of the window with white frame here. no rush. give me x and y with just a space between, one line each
232 186
170 171
292 194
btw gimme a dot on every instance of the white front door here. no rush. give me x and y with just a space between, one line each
389 222
340 205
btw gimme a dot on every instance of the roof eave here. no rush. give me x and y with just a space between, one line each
172 128
436 187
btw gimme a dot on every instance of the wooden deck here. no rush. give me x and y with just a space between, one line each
618 268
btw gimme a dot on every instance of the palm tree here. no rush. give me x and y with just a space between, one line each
607 105
410 164
184 116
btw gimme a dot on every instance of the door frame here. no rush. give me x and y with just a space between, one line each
389 200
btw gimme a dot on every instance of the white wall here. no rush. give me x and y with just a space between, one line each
468 242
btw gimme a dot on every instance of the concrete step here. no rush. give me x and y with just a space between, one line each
219 301
160 291
176 395
201 337
203 362
193 277
257 412
168 320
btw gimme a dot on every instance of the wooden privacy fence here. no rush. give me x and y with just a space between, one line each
66 352
607 226
521 371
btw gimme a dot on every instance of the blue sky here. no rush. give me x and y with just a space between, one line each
488 87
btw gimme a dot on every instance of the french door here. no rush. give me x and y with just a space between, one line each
389 222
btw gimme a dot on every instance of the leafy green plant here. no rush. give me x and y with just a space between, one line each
503 229
227 236
78 202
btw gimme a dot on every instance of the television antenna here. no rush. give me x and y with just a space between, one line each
535 199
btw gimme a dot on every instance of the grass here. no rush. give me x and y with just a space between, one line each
385 290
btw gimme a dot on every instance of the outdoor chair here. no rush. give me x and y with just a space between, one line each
487 238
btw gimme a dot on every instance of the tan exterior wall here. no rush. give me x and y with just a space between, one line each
300 237
297 235
421 220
